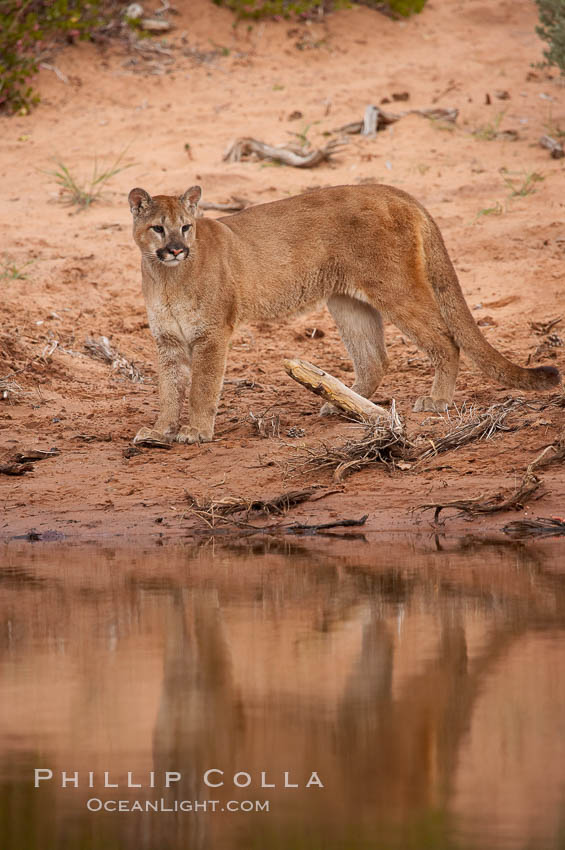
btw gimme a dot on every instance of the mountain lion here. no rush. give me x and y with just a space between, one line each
368 252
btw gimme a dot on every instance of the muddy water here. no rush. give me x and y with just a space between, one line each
423 686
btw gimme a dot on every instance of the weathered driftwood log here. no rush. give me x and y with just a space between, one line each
288 155
379 119
333 391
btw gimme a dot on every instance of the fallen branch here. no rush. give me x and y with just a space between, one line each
295 528
377 119
540 527
295 156
545 328
33 455
211 510
101 349
301 528
516 500
335 392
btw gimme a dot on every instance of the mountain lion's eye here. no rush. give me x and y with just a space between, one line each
186 228
157 228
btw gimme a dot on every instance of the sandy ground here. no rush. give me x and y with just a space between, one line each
80 271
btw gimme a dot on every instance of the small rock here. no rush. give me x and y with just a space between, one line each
134 10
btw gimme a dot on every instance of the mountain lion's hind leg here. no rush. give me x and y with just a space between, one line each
423 323
361 329
445 358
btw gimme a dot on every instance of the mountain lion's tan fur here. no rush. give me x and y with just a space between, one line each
366 251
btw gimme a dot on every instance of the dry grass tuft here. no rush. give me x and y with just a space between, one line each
481 427
382 443
266 424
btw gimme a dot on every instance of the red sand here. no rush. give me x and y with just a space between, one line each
84 274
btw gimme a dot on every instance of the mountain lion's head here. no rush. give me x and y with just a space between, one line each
164 226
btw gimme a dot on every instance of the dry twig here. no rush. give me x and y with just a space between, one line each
266 425
101 349
10 388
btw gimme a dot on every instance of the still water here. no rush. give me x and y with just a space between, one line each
423 685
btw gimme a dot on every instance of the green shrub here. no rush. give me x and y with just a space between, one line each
26 28
406 7
552 30
271 8
289 8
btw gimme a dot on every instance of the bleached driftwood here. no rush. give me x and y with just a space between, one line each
287 154
155 25
370 121
376 116
332 390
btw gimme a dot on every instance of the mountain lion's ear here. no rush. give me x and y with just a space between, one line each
139 200
191 197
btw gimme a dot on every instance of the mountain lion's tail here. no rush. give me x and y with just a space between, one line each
464 330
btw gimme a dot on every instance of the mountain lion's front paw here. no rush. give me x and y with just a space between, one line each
152 437
189 434
432 405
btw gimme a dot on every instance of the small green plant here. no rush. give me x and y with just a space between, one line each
552 30
302 137
489 132
497 209
552 127
83 195
526 187
10 271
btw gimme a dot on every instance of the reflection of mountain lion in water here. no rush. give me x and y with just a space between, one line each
366 251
